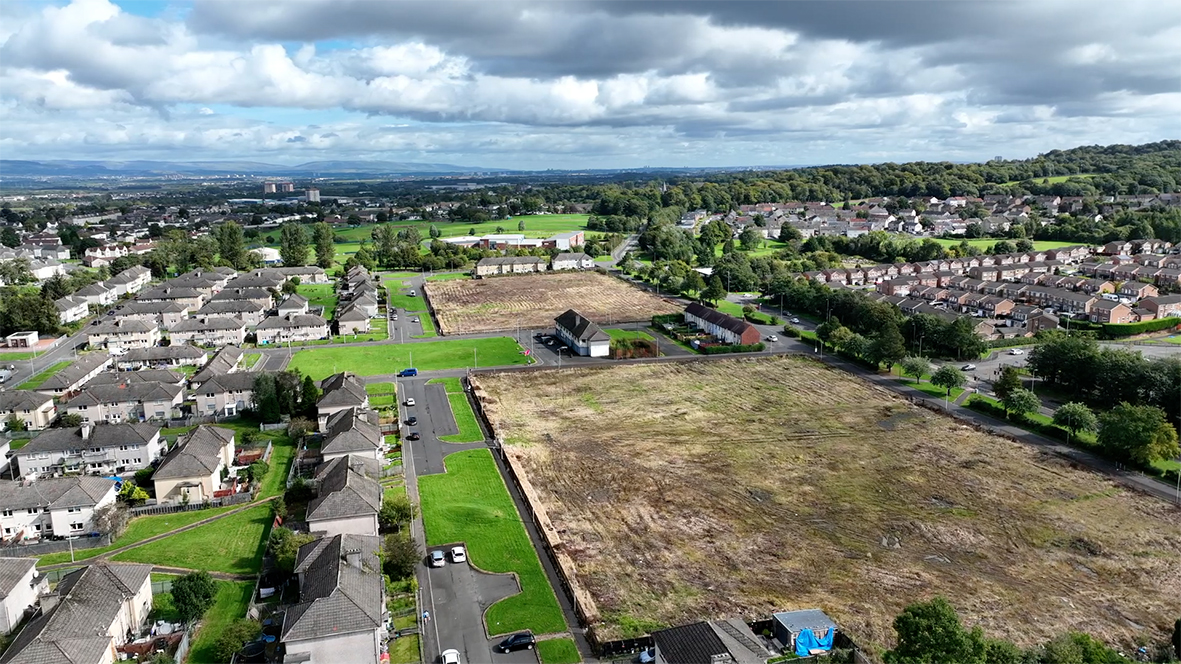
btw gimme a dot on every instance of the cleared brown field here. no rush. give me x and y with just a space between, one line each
710 489
533 301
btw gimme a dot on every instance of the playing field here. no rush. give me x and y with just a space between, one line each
738 487
533 301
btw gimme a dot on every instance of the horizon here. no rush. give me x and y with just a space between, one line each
531 86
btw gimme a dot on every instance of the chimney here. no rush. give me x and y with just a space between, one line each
49 601
353 557
86 427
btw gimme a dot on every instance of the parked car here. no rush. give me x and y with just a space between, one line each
795 320
5 374
1016 351
412 293
647 656
772 338
968 367
450 656
458 554
413 435
394 317
410 403
520 641
407 373
412 420
414 320
437 558
117 352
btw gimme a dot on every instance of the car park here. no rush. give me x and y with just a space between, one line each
458 554
437 558
519 641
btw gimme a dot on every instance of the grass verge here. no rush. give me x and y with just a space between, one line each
140 528
233 545
320 295
428 326
558 651
470 503
461 408
628 335
35 382
387 359
230 603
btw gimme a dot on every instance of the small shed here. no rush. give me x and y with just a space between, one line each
789 624
22 339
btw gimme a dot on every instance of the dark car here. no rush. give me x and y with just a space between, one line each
413 435
406 373
522 641
412 420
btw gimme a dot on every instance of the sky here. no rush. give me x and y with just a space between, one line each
578 84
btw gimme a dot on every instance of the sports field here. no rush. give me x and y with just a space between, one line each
687 491
532 301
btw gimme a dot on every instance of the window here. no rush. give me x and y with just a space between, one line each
76 526
135 447
37 527
138 460
7 513
31 510
122 448
74 510
8 531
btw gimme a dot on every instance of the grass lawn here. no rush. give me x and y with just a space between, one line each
404 650
140 528
233 545
628 335
230 603
984 243
449 277
465 418
18 443
15 357
320 295
933 390
428 327
250 359
429 356
381 395
35 382
470 503
1054 179
765 248
558 651
378 331
406 302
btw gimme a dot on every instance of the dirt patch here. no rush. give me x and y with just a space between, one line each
740 487
533 301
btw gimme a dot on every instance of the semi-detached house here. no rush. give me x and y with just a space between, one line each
20 586
71 308
97 450
282 329
71 379
57 506
191 472
348 497
209 331
250 312
36 409
225 395
126 402
123 333
163 314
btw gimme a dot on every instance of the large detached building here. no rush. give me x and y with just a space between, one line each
582 335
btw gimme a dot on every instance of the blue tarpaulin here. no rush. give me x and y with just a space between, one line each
806 641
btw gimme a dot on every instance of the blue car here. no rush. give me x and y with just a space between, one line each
406 373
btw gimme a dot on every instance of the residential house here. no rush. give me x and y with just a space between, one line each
250 312
724 328
1137 290
163 314
573 261
94 450
353 431
20 586
192 298
46 269
1042 321
56 506
209 331
225 395
191 472
308 274
225 361
36 409
130 281
339 392
1106 311
341 606
294 328
350 319
582 335
142 376
722 641
1020 313
260 295
348 497
163 357
123 333
128 401
264 278
91 612
71 379
295 304
97 294
1162 306
509 265
71 308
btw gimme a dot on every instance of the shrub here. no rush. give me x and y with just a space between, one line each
258 470
234 636
192 595
401 556
1116 330
736 348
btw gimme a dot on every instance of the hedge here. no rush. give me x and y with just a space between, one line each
1011 341
1115 330
668 318
736 348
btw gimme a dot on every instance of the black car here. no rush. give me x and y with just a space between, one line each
522 641
411 421
413 435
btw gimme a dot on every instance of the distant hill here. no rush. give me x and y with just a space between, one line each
94 168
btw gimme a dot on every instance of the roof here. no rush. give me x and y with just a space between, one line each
151 308
101 435
292 320
120 326
142 376
243 294
125 392
510 260
12 570
342 389
1108 304
231 307
294 300
75 630
93 289
129 275
69 302
22 400
813 619
348 488
575 256
350 312
66 378
177 352
169 293
55 492
350 431
336 597
581 327
197 454
717 318
211 323
241 381
689 644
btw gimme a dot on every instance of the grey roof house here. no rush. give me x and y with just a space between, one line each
348 496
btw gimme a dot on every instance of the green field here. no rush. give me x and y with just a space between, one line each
470 504
231 603
16 356
933 390
448 276
35 382
558 651
1054 179
628 335
320 295
985 243
765 248
381 395
140 528
320 363
405 301
233 545
428 326
461 408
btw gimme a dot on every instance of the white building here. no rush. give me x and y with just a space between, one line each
192 470
20 586
126 402
312 196
348 497
96 450
581 335
295 328
71 308
123 333
60 506
209 331
575 261
98 295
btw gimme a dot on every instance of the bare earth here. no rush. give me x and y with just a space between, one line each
467 306
735 488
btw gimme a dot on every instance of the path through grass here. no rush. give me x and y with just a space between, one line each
140 528
230 603
233 545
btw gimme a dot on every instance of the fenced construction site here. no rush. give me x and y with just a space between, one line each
533 301
676 492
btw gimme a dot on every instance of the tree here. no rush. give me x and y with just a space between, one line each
55 287
1020 401
931 633
310 394
1077 648
750 238
1010 380
69 421
997 651
133 494
888 347
693 282
266 400
192 595
394 512
27 311
401 556
15 271
1075 417
283 545
231 243
299 427
714 291
9 238
258 470
293 245
521 225
290 287
16 423
916 366
111 520
1139 434
232 637
325 240
434 232
948 377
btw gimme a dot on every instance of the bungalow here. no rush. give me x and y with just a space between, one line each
352 432
77 374
572 261
1106 311
162 357
123 333
191 472
52 507
250 312
724 328
338 392
20 588
36 409
209 331
225 395
295 304
126 402
581 335
284 329
94 450
71 308
348 497
509 265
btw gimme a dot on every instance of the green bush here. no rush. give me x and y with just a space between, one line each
675 319
736 348
1117 330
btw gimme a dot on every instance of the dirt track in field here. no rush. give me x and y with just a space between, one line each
713 489
533 301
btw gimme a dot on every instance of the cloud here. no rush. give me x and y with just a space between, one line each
711 82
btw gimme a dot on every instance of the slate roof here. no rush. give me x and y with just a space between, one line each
223 362
22 400
141 376
197 454
576 256
294 300
243 294
350 431
581 327
91 599
348 488
93 290
69 302
350 312
717 318
231 382
510 260
292 321
55 492
689 644
150 308
335 597
216 307
178 352
128 275
92 395
101 435
342 389
211 323
12 570
73 373
169 293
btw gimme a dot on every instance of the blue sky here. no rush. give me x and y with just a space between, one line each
584 83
